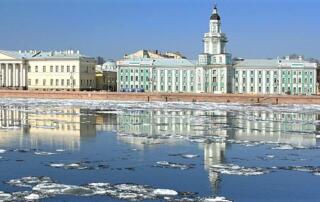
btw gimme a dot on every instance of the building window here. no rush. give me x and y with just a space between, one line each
251 88
57 68
37 81
44 69
51 68
36 68
29 69
214 79
57 82
68 68
43 82
251 80
73 68
62 68
51 82
62 82
29 82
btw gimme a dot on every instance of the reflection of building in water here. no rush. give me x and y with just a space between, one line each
285 128
12 117
59 128
214 153
168 122
141 128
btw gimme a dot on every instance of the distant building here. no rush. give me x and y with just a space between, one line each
157 75
154 55
275 77
106 80
13 70
40 70
171 72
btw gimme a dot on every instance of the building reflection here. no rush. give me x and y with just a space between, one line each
65 128
58 128
149 128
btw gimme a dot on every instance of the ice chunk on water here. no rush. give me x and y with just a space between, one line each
43 153
2 151
29 181
43 187
166 164
216 199
232 169
165 192
284 147
4 196
32 197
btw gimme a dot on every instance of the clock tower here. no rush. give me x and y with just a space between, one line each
214 42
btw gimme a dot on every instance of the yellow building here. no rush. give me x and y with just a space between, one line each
39 70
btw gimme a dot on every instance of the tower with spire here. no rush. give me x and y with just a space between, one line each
214 42
215 64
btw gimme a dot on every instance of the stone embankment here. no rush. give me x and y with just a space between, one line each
165 97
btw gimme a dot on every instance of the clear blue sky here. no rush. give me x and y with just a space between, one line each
111 28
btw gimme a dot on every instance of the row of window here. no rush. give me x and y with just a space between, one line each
146 87
54 69
60 82
53 82
275 80
244 73
275 90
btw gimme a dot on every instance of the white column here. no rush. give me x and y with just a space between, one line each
2 74
14 79
21 76
10 74
7 75
17 75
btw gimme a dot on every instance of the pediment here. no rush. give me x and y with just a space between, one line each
6 55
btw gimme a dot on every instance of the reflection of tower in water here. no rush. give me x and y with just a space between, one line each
214 153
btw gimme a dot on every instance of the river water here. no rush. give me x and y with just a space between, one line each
71 150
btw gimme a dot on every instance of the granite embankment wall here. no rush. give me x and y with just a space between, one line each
169 97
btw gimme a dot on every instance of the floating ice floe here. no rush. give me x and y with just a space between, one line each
28 181
166 164
60 150
165 192
45 187
216 199
2 151
232 169
283 147
187 156
309 169
43 153
79 166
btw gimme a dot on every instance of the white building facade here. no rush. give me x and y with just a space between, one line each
280 76
39 70
13 70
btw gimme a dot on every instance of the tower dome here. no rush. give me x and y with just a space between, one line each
215 15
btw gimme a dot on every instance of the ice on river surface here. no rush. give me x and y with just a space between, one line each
104 150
